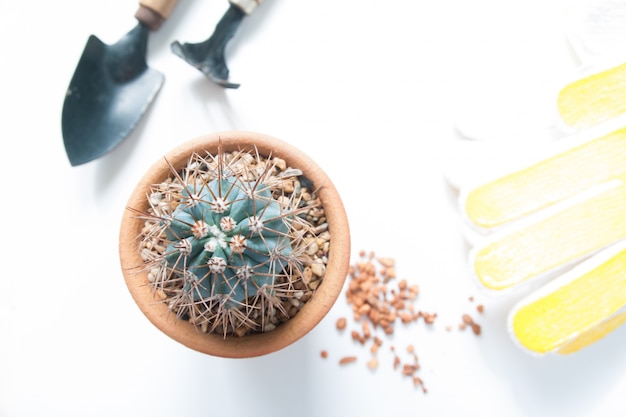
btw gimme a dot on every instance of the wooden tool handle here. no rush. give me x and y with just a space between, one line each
247 6
153 13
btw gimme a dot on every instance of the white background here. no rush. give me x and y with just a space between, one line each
373 91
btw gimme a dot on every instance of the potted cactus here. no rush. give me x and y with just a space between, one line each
235 244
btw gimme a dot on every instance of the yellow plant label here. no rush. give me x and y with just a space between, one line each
574 313
547 182
594 99
566 207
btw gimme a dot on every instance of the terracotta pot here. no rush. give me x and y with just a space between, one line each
259 343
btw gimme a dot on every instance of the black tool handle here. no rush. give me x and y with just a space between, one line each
153 13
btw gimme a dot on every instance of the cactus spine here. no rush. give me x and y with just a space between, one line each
227 241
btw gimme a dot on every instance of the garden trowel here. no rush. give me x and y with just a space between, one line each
208 56
111 88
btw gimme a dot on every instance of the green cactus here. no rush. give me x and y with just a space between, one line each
227 241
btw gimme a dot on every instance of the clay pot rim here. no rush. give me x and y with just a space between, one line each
253 345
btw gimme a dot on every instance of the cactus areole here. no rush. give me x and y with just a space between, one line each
235 244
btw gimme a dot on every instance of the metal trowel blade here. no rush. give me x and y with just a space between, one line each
109 93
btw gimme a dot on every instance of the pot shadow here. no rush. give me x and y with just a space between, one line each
555 384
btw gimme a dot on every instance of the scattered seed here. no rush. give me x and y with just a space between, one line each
373 300
324 354
468 321
417 382
366 330
347 359
341 323
386 262
379 305
409 369
429 318
355 335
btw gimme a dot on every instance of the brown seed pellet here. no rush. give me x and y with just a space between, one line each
377 303
381 302
409 369
366 330
324 354
429 318
341 323
468 321
347 359
386 262
417 381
